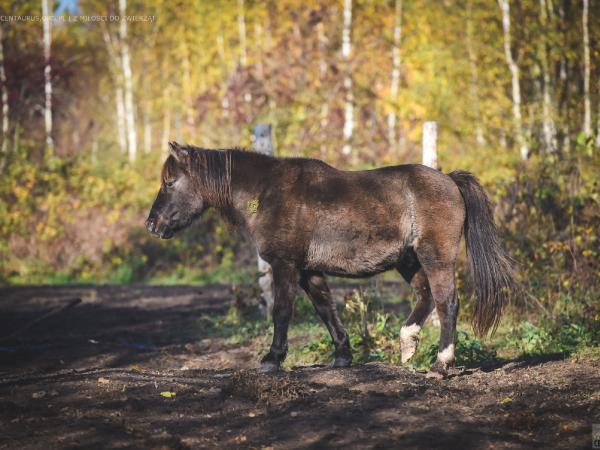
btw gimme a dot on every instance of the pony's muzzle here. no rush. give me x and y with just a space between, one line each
159 227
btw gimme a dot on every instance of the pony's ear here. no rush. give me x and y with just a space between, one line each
181 154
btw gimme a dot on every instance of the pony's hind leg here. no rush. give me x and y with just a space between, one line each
409 333
443 291
316 288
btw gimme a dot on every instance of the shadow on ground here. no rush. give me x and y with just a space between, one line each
123 369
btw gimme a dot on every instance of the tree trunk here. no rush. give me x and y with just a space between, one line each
47 79
166 127
3 96
115 70
563 75
187 92
587 106
514 70
349 98
147 130
121 126
128 82
475 102
221 52
242 31
322 56
258 33
391 119
549 128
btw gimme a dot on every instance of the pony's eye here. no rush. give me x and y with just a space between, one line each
170 183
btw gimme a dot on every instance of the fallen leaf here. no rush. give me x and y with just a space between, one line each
136 369
168 394
103 380
506 400
38 394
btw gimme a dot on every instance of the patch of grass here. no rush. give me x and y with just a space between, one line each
374 336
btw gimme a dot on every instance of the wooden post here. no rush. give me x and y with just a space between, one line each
262 142
430 144
430 159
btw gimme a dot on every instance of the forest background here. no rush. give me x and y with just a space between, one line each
91 91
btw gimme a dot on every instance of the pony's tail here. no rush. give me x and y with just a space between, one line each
490 264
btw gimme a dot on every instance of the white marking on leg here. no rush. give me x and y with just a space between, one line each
410 331
447 355
408 341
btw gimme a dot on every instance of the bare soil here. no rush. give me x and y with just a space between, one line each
99 373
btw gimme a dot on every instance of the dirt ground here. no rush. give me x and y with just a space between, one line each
128 367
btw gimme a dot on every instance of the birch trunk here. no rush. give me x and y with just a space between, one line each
147 130
258 33
128 83
474 90
587 106
242 31
549 128
166 125
514 70
391 119
563 109
121 126
3 95
115 64
47 79
221 52
322 55
187 92
349 98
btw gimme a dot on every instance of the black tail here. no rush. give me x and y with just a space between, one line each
491 266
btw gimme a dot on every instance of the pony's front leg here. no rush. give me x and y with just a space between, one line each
285 279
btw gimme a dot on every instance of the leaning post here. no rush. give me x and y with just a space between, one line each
262 142
430 132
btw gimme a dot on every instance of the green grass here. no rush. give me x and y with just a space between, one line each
374 336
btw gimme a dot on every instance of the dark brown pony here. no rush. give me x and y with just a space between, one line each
309 219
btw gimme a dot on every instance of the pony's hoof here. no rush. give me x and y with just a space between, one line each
342 361
434 374
268 367
438 371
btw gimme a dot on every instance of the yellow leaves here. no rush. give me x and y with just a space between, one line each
113 216
21 193
506 400
168 394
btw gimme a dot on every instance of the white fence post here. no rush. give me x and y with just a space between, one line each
430 144
262 142
430 159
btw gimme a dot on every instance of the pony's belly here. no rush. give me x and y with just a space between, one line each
342 258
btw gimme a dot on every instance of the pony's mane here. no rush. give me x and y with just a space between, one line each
210 170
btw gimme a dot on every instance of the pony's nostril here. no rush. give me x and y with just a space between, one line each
150 225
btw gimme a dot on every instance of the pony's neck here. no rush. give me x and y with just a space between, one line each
250 177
